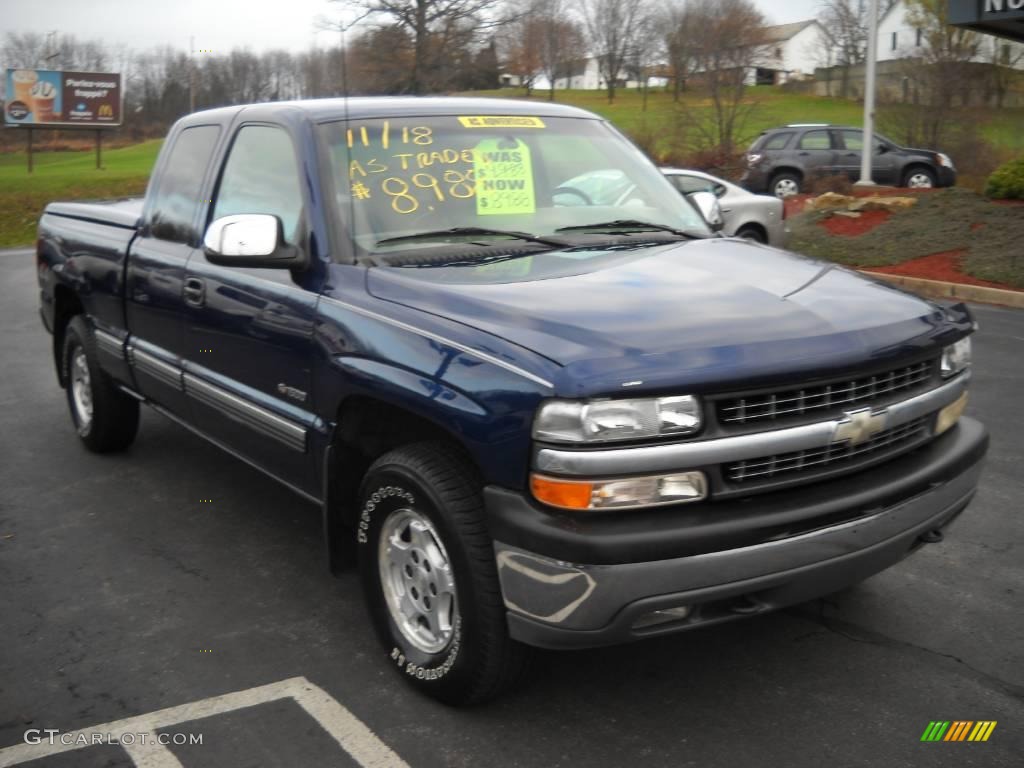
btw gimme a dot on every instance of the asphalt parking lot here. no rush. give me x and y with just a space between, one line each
122 594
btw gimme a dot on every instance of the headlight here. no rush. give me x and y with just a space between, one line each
603 421
944 160
619 493
753 159
957 357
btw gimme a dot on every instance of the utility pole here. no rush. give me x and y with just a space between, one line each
192 74
868 150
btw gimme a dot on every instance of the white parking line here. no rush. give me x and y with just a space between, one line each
151 754
349 731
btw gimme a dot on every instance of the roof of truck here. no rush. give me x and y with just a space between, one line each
367 107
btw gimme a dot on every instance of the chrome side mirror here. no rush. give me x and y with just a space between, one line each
709 207
250 240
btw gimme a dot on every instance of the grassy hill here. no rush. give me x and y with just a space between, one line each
66 176
667 127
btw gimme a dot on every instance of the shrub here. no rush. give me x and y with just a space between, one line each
820 183
1007 183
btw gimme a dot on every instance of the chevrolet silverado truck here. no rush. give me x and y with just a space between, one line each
529 417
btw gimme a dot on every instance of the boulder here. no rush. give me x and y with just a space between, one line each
829 201
876 203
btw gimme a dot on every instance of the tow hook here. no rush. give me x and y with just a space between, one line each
932 537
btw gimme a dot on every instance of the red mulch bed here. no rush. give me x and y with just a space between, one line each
847 227
939 266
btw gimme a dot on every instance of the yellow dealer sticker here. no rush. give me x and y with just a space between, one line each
504 177
501 121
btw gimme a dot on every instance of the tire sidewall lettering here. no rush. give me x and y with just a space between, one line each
379 495
428 672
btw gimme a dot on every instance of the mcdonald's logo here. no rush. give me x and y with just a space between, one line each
958 730
106 110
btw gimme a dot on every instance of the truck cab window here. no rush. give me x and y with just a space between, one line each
176 200
261 176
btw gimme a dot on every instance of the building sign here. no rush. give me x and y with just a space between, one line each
1004 18
43 97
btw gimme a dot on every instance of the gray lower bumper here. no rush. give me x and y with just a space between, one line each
560 605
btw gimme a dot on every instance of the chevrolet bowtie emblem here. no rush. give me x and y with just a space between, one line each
859 426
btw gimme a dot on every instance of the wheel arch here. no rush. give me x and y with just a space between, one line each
786 169
67 305
752 225
366 427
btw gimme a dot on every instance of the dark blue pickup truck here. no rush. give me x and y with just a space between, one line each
538 400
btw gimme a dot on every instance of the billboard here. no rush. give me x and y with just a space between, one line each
43 97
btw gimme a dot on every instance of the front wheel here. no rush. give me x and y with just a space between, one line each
105 417
785 185
919 178
429 577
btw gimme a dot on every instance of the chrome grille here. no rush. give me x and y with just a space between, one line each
883 445
823 397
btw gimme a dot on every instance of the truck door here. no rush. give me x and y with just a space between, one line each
156 268
248 331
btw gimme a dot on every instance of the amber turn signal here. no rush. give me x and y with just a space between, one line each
566 494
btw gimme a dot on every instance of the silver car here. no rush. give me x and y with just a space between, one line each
754 217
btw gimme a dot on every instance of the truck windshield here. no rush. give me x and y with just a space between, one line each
481 176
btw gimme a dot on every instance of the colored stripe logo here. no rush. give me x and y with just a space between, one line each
958 730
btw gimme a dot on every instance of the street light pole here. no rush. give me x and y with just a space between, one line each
868 150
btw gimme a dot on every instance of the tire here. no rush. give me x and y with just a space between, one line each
105 418
448 636
785 184
756 234
919 178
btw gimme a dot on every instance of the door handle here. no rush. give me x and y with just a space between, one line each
194 291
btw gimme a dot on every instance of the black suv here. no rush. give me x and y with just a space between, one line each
782 160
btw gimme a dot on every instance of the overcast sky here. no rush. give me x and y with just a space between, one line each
220 25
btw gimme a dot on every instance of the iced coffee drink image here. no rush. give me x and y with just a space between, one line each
24 81
43 96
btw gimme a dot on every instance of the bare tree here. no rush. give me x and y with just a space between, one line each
562 43
679 41
432 25
645 53
1004 59
846 26
523 39
943 72
611 27
728 39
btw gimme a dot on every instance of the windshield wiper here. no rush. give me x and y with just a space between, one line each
630 225
472 231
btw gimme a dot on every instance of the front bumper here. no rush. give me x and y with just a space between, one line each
947 176
854 527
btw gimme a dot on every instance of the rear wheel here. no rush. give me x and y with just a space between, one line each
786 184
753 233
919 178
105 417
429 576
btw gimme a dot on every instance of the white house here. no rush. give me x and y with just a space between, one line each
585 75
897 39
790 52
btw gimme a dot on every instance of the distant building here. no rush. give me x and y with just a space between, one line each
790 52
897 39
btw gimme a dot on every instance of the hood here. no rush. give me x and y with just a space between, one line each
701 312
